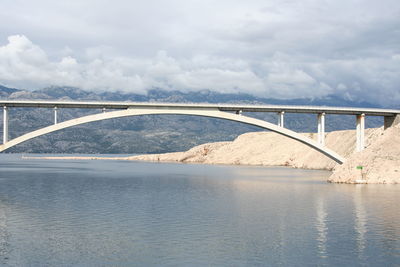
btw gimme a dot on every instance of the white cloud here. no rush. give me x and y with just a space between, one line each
28 63
282 76
270 48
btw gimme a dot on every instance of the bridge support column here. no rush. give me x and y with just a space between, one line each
55 115
104 110
360 132
5 124
321 128
281 118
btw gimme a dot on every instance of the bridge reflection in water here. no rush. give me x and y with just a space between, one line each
355 213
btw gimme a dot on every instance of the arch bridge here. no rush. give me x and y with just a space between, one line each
111 110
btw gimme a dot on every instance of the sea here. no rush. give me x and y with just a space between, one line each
130 213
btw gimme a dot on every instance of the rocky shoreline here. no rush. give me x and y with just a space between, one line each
378 163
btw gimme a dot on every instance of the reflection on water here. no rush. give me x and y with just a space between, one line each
3 235
130 213
360 220
321 227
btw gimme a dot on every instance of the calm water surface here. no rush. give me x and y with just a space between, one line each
102 213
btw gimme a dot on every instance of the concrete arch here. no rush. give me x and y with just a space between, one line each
213 113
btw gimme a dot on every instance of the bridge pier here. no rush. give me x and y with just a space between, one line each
55 115
321 128
360 145
281 118
5 124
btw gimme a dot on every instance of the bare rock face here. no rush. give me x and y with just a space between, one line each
378 163
266 149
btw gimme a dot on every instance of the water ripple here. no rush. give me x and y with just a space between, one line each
95 213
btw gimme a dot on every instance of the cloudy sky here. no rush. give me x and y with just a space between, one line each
269 48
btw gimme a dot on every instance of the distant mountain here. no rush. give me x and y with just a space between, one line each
154 134
158 95
203 96
5 91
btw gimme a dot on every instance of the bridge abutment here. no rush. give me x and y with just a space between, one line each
390 121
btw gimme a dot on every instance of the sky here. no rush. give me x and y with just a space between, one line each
268 48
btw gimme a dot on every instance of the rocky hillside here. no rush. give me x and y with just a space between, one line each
378 163
268 149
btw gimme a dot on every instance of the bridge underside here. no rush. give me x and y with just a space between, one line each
213 113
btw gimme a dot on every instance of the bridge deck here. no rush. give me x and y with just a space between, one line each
205 106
